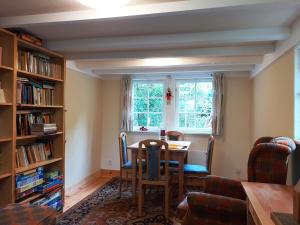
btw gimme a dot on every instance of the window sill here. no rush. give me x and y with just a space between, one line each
157 132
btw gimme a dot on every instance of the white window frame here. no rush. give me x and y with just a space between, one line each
176 121
149 81
170 112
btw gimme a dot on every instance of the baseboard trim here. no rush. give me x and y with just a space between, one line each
110 173
77 187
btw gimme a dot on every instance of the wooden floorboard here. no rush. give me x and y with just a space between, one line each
85 190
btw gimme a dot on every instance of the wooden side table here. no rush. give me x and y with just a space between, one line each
18 214
263 199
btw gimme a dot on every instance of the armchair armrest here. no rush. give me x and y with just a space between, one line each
214 209
224 187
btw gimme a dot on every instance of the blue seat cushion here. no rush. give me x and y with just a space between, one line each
172 163
192 168
128 164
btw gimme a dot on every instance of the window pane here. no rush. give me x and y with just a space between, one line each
156 90
156 105
190 120
140 105
140 89
181 120
140 119
194 104
155 119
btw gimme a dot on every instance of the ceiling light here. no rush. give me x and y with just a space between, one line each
161 62
104 4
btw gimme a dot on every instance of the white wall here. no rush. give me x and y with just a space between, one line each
231 150
83 123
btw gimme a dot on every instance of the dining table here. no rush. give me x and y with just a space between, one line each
178 151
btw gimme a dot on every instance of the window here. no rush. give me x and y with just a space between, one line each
194 105
148 104
190 109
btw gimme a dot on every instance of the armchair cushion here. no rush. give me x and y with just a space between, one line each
212 209
224 187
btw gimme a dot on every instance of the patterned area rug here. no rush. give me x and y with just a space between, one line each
104 207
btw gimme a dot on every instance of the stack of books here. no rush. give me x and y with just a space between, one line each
28 154
38 63
26 119
52 199
53 181
27 182
43 128
33 92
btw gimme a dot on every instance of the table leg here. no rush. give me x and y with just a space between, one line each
134 167
181 177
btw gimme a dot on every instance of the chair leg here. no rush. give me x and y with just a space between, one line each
167 202
126 180
140 199
120 180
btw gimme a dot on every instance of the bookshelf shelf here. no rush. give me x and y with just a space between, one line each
5 175
6 68
27 137
31 106
26 74
14 51
28 45
36 165
5 104
5 140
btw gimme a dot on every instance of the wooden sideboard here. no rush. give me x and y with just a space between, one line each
262 199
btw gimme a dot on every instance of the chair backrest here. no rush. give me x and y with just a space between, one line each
123 148
152 151
210 150
268 162
175 135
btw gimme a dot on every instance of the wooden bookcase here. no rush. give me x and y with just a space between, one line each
9 140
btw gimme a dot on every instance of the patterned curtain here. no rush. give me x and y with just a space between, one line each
218 104
126 104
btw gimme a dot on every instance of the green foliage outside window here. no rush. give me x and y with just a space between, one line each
148 104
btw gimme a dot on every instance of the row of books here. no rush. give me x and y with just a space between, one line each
28 154
26 120
38 63
33 92
47 184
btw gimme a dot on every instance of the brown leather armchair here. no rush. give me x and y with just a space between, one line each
223 200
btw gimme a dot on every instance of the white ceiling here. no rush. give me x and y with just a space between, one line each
197 28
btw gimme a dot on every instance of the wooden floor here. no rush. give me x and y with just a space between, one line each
85 190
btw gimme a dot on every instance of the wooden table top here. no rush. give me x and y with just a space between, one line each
182 145
267 198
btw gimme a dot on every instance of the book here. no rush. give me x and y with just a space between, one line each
43 128
2 94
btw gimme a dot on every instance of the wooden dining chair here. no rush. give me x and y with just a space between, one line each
174 136
125 164
154 174
197 169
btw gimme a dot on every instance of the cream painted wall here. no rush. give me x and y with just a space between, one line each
83 126
273 104
231 150
273 99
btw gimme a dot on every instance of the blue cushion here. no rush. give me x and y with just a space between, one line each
192 168
172 163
